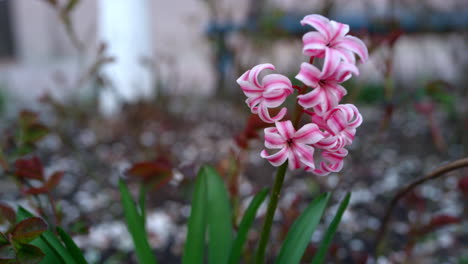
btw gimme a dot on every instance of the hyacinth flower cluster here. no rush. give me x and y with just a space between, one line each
332 125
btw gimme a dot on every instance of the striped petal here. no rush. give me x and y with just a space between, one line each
314 43
285 129
294 160
309 74
264 114
330 65
355 45
305 153
320 23
344 71
308 134
339 30
276 159
272 139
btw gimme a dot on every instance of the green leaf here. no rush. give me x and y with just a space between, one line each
74 250
3 239
71 5
29 254
135 227
246 223
54 251
194 248
219 217
301 231
322 251
28 230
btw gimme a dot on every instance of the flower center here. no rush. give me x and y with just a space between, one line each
289 141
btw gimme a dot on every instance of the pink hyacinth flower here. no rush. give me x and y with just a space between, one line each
293 145
269 93
339 127
327 91
331 35
331 162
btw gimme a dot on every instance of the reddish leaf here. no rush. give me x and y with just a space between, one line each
28 229
425 107
463 185
254 123
54 180
29 168
443 220
50 184
7 213
151 170
360 257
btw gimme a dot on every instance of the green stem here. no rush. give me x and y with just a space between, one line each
274 197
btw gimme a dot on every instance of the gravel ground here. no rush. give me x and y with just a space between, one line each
95 152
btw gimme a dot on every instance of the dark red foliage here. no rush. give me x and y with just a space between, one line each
158 172
443 220
463 185
254 123
29 169
49 185
425 107
7 213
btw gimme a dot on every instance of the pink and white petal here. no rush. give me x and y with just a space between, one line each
277 82
272 139
339 30
264 114
355 45
335 156
253 101
294 160
321 122
276 159
309 74
253 75
314 37
305 153
285 129
355 119
308 134
321 171
320 23
347 136
347 55
327 143
338 91
312 98
330 65
314 41
337 121
275 98
345 71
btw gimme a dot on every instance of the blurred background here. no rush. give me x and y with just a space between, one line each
121 82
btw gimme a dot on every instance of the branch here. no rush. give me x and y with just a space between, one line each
438 172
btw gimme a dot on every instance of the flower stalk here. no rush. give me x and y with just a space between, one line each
274 198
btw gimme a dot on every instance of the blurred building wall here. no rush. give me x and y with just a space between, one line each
183 56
